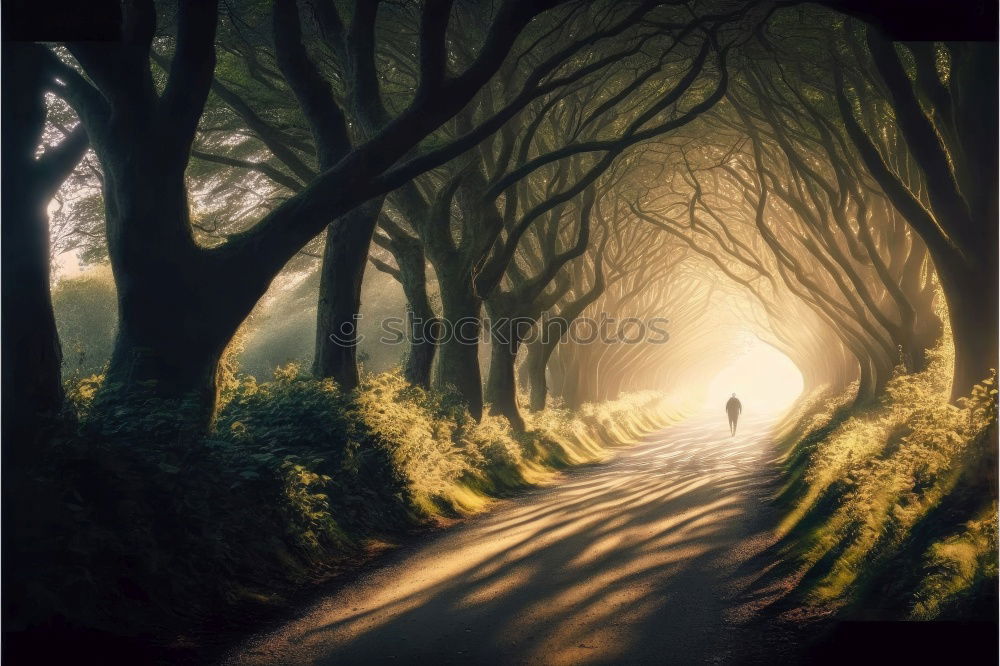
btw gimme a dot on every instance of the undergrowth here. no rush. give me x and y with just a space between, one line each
130 535
891 509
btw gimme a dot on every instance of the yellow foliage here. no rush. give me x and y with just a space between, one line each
956 563
80 392
888 466
450 459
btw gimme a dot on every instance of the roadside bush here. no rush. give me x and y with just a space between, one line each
133 536
874 517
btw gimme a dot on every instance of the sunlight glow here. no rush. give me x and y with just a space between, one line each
765 380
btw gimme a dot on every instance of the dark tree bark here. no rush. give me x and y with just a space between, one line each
32 356
412 276
916 282
513 311
348 239
177 311
458 354
420 314
541 349
501 382
180 304
972 310
345 255
956 162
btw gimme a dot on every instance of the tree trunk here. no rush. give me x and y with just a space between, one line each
926 326
32 356
345 256
972 307
409 256
174 322
170 361
420 358
178 305
458 358
534 369
866 384
557 370
501 382
578 370
927 331
960 178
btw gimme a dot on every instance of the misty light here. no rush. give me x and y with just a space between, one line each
765 380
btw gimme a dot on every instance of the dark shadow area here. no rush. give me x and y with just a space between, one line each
906 643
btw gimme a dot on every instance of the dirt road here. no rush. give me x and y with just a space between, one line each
633 561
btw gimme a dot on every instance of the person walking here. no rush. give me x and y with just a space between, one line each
733 409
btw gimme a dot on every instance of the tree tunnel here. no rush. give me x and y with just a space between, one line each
345 268
792 168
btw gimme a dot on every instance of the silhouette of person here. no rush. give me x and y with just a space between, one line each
733 409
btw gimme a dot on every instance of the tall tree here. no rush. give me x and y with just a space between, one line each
945 127
179 303
32 357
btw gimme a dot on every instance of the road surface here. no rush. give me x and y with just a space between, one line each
635 561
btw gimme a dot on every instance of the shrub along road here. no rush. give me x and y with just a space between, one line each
634 561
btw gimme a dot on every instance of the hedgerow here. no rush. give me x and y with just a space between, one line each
872 521
134 536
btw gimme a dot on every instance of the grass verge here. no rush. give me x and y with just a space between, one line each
891 510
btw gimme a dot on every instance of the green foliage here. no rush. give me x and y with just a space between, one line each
958 566
313 421
132 535
883 491
80 393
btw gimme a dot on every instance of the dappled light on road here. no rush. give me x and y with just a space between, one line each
634 560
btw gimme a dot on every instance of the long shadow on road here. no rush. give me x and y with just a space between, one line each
633 561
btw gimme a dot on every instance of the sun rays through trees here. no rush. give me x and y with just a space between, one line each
349 267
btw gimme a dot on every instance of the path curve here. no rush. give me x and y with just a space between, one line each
632 561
